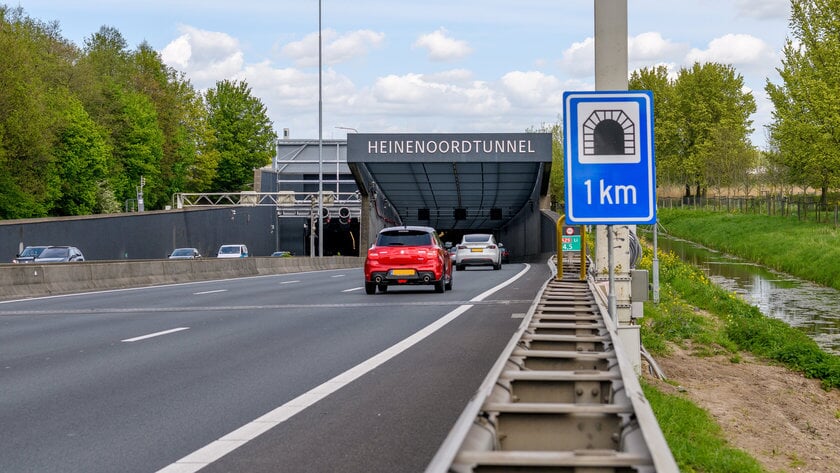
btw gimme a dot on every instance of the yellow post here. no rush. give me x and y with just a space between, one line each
582 252
560 223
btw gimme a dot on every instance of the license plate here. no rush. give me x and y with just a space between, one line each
477 250
403 272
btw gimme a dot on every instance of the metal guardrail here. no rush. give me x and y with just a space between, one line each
562 397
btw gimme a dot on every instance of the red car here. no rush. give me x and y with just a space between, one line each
409 255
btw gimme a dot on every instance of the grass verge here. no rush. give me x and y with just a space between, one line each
696 441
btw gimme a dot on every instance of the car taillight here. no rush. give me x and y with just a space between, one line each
462 247
492 247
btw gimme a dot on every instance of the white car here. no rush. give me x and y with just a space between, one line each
232 251
478 249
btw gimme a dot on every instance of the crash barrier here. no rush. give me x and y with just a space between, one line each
32 280
562 397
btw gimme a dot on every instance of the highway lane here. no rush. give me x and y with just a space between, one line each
136 380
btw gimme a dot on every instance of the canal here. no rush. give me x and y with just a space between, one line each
809 306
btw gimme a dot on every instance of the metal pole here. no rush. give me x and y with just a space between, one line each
611 263
655 264
320 144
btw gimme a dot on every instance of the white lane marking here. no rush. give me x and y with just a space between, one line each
338 276
209 292
289 282
353 289
230 442
156 334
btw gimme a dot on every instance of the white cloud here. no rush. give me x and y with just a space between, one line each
651 46
740 50
206 56
418 93
441 47
335 48
579 59
533 89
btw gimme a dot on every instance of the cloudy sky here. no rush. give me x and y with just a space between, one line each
431 66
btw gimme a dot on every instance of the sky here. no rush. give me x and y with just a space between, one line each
431 66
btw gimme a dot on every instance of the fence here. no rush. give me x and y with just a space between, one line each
804 208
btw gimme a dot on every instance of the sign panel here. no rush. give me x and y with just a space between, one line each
448 147
570 240
609 160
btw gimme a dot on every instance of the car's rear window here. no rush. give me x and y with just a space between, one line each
406 238
476 238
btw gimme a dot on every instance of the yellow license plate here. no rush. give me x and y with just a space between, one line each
403 272
477 250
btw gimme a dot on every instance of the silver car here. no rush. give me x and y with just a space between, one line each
60 254
478 249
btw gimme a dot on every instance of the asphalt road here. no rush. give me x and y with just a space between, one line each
294 372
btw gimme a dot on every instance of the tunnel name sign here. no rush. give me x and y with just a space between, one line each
449 147
609 163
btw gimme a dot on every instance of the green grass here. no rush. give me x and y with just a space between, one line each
696 441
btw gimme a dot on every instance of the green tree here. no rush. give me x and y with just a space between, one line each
187 158
666 137
556 182
708 97
34 65
244 137
81 160
138 145
806 121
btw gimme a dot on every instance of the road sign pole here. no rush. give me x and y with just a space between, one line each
611 74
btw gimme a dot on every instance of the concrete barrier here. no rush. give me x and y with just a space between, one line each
33 280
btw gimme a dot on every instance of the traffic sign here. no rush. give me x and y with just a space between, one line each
571 238
609 162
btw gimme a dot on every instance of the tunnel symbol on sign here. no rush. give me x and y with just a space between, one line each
609 135
609 132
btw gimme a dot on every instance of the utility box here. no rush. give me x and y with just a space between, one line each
639 285
639 288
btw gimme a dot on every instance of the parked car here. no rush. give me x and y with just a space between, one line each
478 249
409 255
184 253
233 251
505 253
28 254
60 254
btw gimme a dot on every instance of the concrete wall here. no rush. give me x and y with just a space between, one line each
149 235
32 280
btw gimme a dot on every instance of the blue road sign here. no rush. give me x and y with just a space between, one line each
609 164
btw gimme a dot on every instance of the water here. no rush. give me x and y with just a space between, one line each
800 303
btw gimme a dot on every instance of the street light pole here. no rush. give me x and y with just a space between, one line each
320 215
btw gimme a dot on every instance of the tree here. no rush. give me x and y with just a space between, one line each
81 163
666 137
806 121
556 181
701 122
244 137
34 64
708 96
